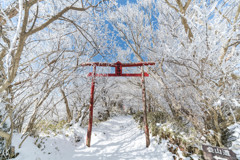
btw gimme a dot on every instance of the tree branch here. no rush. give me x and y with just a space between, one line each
237 14
180 6
12 10
48 22
187 5
4 135
170 5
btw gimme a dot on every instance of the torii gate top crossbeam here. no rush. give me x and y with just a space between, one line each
115 64
118 68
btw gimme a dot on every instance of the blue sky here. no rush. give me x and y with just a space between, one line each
124 2
120 42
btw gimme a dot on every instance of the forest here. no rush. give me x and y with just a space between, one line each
192 92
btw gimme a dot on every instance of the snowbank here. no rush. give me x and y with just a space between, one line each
236 143
116 139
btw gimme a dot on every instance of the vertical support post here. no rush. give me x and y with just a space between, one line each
145 109
89 132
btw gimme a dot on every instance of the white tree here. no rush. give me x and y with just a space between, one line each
188 41
35 42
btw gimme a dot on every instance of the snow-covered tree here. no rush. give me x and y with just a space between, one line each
196 47
41 45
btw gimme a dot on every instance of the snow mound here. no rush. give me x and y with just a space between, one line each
236 133
116 139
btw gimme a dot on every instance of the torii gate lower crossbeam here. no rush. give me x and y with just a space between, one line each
118 73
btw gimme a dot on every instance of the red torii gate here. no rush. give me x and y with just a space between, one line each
118 73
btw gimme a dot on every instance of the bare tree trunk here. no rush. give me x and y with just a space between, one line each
69 115
226 45
34 115
182 9
218 129
4 135
9 141
187 29
9 109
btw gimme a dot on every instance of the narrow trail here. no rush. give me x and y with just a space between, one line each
119 138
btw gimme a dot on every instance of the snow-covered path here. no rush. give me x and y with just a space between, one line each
119 138
116 139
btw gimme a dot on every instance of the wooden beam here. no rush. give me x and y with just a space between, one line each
115 64
146 130
122 75
89 132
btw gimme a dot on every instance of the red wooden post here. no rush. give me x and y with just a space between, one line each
89 132
145 109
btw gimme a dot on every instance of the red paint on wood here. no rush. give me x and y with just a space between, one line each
89 132
137 64
98 64
122 75
118 68
115 64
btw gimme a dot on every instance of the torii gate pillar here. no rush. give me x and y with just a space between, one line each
89 132
145 108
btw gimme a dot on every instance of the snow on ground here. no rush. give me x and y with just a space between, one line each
116 139
236 133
